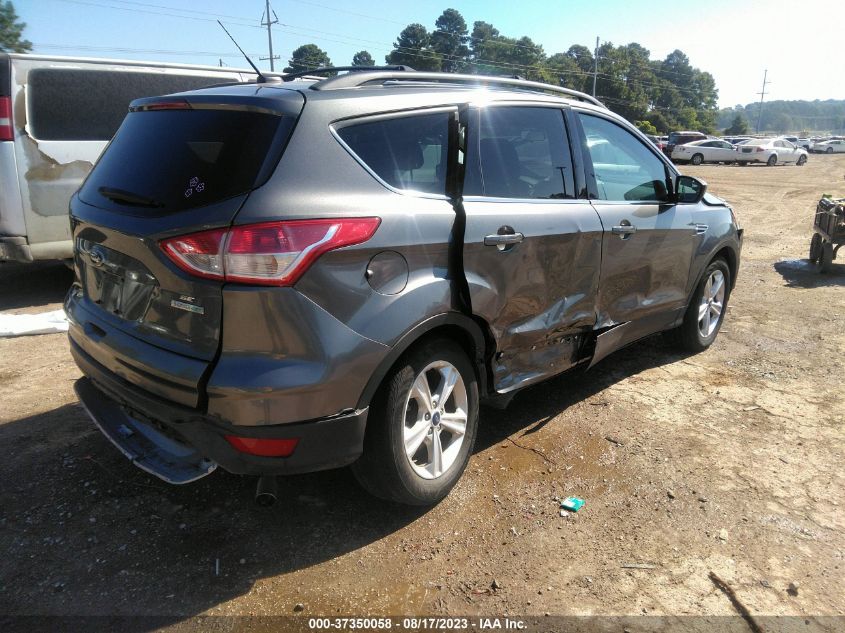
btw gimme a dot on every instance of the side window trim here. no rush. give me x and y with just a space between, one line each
339 124
473 119
589 171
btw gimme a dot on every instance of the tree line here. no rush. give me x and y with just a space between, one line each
659 95
798 117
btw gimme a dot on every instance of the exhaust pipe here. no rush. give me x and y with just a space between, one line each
267 491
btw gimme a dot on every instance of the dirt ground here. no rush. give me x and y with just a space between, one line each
729 462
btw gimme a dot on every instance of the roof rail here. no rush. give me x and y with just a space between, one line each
352 80
333 69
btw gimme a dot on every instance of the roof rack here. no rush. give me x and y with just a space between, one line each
333 69
355 79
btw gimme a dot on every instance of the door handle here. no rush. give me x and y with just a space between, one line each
624 230
503 240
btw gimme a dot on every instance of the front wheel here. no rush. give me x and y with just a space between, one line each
801 160
706 310
421 427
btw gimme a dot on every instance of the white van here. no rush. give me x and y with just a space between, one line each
56 116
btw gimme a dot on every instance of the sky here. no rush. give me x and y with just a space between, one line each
734 40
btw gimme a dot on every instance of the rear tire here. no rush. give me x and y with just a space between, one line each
709 301
773 160
697 159
825 257
399 462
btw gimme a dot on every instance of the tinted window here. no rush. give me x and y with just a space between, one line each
407 152
624 167
89 105
519 152
169 160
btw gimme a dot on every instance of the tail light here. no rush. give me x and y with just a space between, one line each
270 253
6 132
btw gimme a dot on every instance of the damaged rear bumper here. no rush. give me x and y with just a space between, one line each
180 444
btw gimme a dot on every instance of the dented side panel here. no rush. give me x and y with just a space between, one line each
538 296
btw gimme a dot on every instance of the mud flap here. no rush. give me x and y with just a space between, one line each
149 449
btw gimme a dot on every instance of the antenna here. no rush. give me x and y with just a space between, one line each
261 78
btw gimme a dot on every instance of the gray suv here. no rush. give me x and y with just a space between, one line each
294 276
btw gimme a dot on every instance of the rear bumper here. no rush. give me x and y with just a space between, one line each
181 444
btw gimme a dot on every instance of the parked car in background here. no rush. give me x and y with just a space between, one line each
833 146
706 151
680 138
656 140
733 140
773 151
56 116
286 277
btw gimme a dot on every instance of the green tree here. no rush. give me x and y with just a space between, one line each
363 58
413 48
739 126
449 40
646 127
11 31
307 57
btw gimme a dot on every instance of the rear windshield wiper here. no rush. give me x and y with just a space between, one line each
127 197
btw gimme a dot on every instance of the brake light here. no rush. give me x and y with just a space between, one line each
270 253
179 104
6 131
263 447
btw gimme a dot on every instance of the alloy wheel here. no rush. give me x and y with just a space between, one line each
712 304
436 413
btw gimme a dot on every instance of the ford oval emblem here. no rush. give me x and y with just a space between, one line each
97 257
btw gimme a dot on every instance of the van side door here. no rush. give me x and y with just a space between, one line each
532 246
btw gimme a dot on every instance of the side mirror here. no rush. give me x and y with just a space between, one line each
689 190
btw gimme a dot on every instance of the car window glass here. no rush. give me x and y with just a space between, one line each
624 168
407 152
68 104
519 152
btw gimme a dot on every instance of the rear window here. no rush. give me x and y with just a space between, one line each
166 161
408 152
89 105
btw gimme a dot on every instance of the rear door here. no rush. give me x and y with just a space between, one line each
172 169
532 247
648 242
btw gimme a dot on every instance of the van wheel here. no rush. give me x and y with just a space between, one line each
422 426
697 159
773 159
706 310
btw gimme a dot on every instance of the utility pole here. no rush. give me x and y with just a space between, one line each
762 96
596 67
268 24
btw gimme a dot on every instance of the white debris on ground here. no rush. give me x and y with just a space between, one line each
29 324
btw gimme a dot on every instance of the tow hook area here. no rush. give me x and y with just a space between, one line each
267 490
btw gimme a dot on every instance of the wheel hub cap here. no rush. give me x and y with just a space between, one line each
712 304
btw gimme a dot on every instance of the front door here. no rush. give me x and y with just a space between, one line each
648 241
532 248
